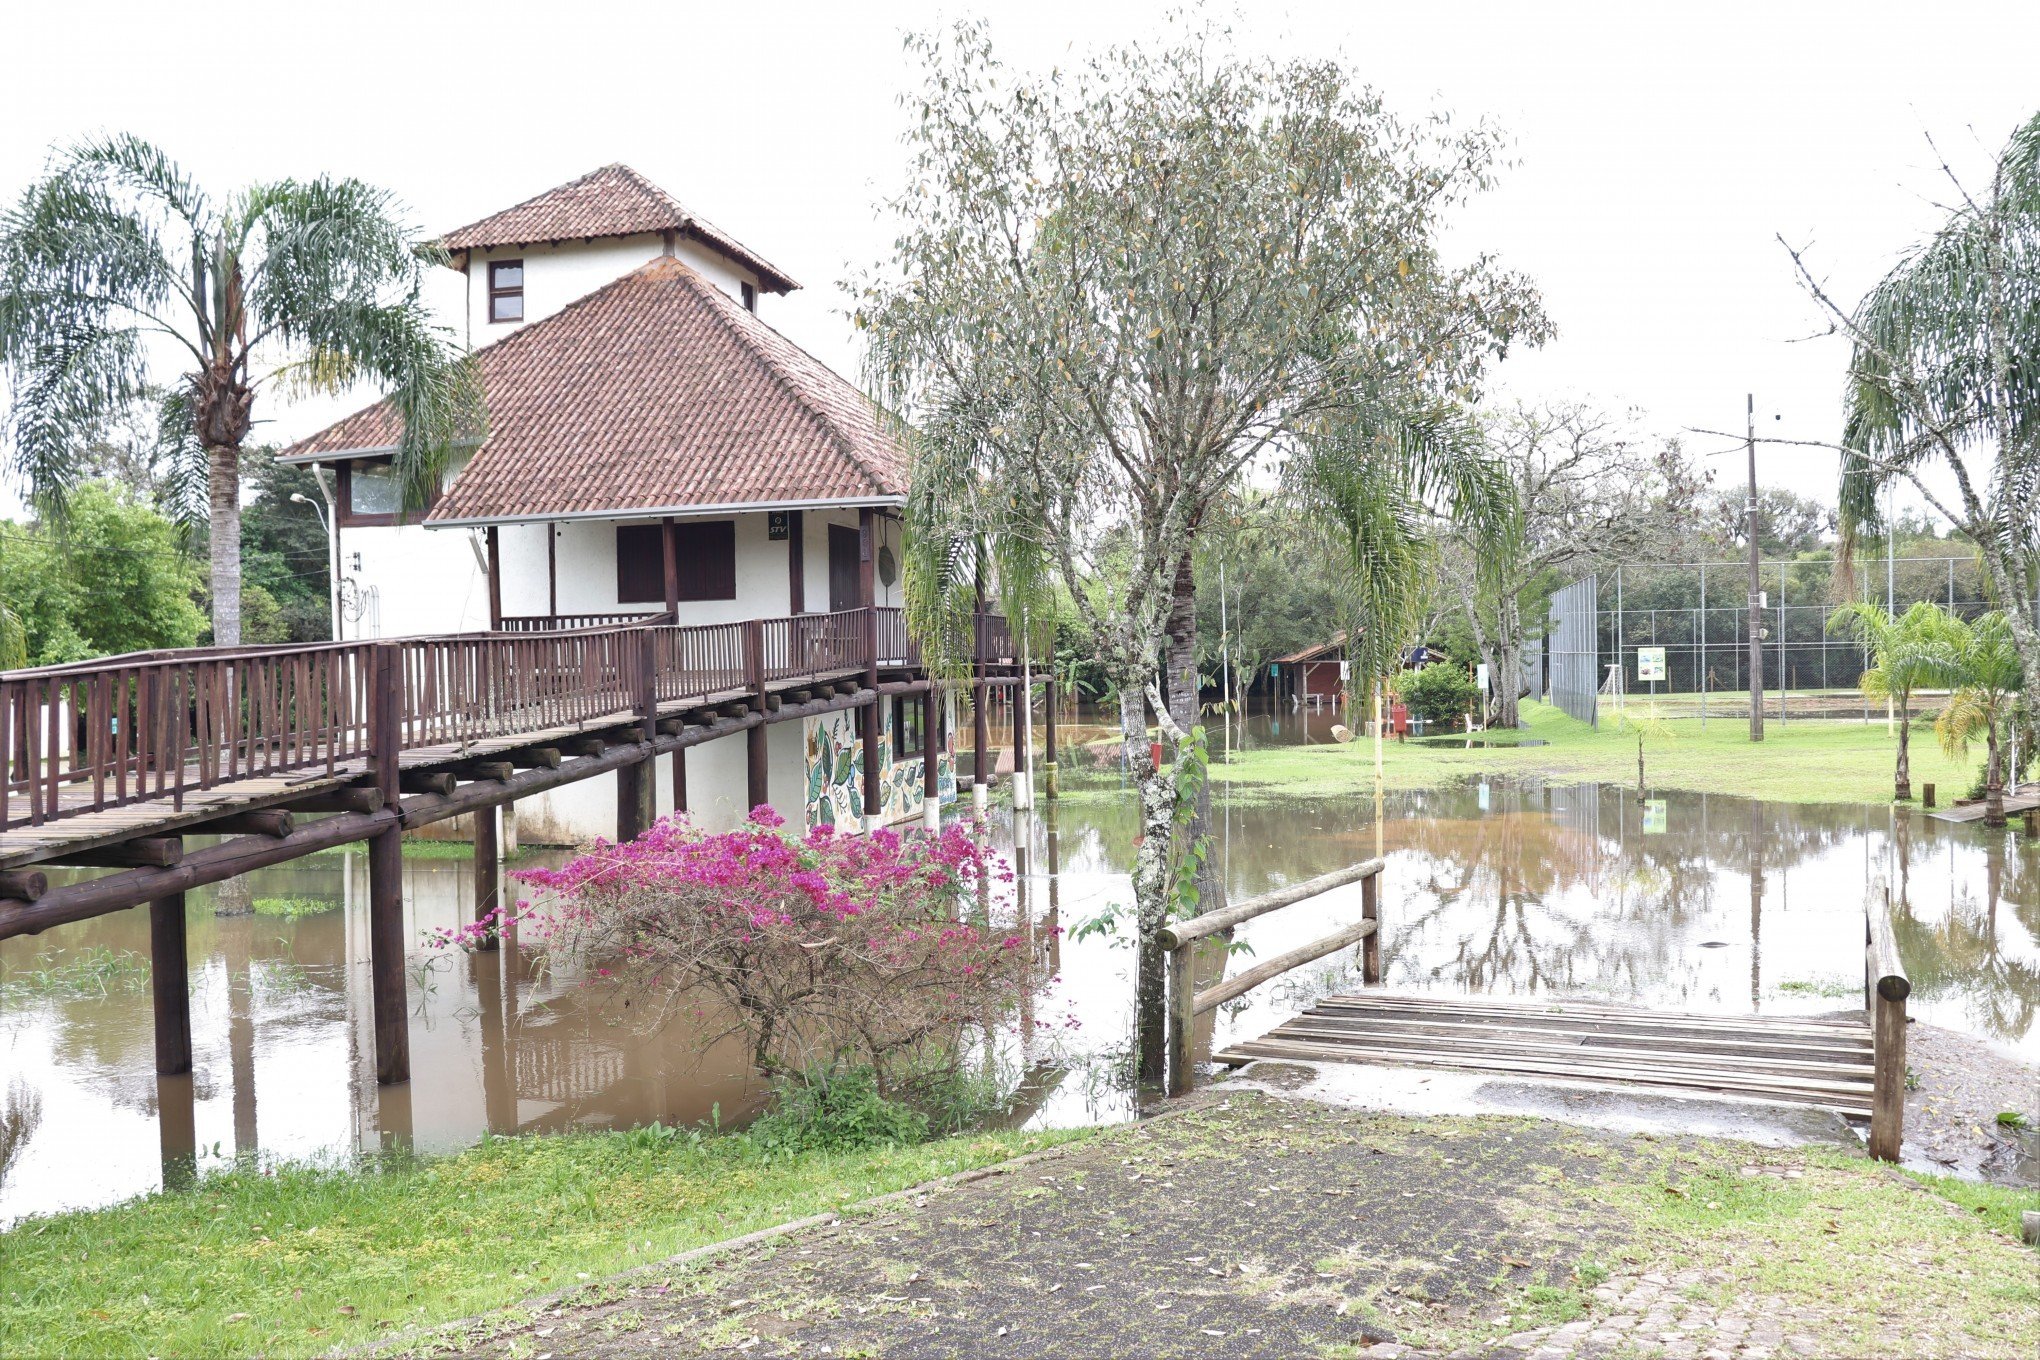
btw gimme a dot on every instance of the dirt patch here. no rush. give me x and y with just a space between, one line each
1253 1225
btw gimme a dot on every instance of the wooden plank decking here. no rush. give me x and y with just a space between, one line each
1791 1060
2016 804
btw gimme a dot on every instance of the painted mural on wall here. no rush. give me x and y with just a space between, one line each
835 772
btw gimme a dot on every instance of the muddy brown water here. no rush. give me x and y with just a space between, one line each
1689 902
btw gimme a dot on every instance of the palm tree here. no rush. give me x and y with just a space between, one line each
117 259
1983 666
1943 387
1909 652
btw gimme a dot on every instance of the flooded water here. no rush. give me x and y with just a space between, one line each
1689 902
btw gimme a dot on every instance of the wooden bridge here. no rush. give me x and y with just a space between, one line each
110 763
1852 1066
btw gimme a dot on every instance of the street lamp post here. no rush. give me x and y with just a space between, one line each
332 558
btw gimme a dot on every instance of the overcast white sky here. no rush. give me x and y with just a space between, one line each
1659 149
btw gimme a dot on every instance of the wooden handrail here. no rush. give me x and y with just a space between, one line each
1197 927
1885 989
1186 1003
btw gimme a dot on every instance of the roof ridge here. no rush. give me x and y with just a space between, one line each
735 316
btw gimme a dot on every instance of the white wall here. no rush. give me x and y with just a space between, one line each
412 580
587 568
556 275
718 788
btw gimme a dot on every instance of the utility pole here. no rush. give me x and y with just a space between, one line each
1756 624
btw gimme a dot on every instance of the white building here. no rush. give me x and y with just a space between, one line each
653 446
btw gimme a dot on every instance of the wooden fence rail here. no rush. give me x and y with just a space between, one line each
94 735
1186 1003
1885 989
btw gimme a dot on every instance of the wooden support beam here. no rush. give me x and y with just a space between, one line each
426 781
23 885
671 727
1182 1018
498 770
796 563
386 874
1050 695
358 798
680 779
584 746
151 851
495 580
536 758
488 871
170 985
252 822
669 544
633 800
756 784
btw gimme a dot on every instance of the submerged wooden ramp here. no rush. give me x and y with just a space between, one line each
1793 1060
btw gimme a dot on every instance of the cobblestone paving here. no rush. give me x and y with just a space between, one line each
1259 1226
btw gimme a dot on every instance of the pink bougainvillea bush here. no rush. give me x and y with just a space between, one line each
827 948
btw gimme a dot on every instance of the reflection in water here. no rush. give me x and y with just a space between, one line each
1686 902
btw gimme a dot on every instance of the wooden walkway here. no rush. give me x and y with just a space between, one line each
1790 1060
2016 805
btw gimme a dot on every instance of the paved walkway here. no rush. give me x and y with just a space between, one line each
1256 1225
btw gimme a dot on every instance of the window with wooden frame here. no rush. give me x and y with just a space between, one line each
706 554
506 290
749 291
368 493
910 719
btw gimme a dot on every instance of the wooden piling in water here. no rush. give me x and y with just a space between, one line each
488 871
386 877
170 985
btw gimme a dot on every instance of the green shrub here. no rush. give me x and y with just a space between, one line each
1438 693
837 1110
290 908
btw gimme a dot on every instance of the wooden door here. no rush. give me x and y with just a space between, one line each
843 574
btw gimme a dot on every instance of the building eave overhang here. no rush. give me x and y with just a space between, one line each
693 511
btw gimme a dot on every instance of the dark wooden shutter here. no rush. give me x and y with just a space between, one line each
640 565
843 578
707 551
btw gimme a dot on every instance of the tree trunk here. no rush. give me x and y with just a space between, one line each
224 464
1902 783
1150 885
1505 671
1183 710
1993 779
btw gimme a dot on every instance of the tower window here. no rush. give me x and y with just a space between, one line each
506 290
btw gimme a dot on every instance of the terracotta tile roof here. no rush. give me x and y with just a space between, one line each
656 393
613 201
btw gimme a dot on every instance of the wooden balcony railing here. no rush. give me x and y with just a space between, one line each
157 725
557 623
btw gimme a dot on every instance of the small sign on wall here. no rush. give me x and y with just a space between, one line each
776 525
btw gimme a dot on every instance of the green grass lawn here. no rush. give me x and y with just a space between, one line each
1804 761
295 1260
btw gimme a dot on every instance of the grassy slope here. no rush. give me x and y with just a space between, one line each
295 1260
1807 761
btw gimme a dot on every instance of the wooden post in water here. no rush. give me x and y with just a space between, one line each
1051 788
488 872
170 985
1927 796
635 784
1182 1017
1887 992
680 780
1370 948
386 872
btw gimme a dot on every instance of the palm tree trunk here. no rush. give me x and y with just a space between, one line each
1902 782
224 478
1993 780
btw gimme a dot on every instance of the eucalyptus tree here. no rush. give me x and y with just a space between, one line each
1943 387
1910 652
118 263
1983 666
1117 286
